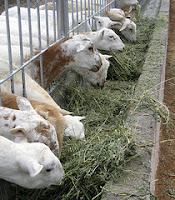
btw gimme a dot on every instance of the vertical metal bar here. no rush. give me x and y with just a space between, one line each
54 21
21 48
59 13
92 10
63 18
95 6
0 96
77 17
39 38
9 45
81 9
66 18
72 15
47 29
116 3
85 15
89 10
100 7
30 37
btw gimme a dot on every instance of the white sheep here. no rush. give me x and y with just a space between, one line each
123 3
119 11
64 56
14 28
25 41
80 3
13 12
30 165
34 92
103 71
105 39
28 124
74 130
13 19
128 27
48 112
79 133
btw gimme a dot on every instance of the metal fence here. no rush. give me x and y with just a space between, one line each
67 17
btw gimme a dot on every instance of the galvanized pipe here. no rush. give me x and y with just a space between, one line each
21 48
9 45
47 27
39 38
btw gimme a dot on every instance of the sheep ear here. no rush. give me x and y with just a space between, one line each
123 27
34 168
42 113
116 23
80 117
94 69
19 130
130 9
107 56
24 104
102 34
79 47
95 17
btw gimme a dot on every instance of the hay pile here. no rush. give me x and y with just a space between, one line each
109 144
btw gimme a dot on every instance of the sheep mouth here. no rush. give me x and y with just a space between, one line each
95 68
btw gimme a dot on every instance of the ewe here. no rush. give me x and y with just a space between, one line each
30 165
105 39
26 123
48 112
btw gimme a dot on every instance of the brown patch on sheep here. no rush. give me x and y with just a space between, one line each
43 129
6 125
54 60
6 117
14 118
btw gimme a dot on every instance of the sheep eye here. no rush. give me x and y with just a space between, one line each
111 36
91 49
130 29
48 170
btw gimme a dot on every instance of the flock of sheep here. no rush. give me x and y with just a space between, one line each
32 129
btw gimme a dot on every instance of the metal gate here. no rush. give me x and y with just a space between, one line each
67 17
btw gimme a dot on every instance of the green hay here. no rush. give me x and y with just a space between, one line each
102 156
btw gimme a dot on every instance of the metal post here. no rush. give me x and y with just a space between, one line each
21 48
116 3
54 20
9 45
39 38
63 20
47 27
30 37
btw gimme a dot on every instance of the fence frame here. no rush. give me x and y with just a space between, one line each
62 32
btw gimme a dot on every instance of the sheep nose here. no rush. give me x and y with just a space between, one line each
122 48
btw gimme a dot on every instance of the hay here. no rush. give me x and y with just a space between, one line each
127 65
91 163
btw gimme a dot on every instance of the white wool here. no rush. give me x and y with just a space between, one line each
30 165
